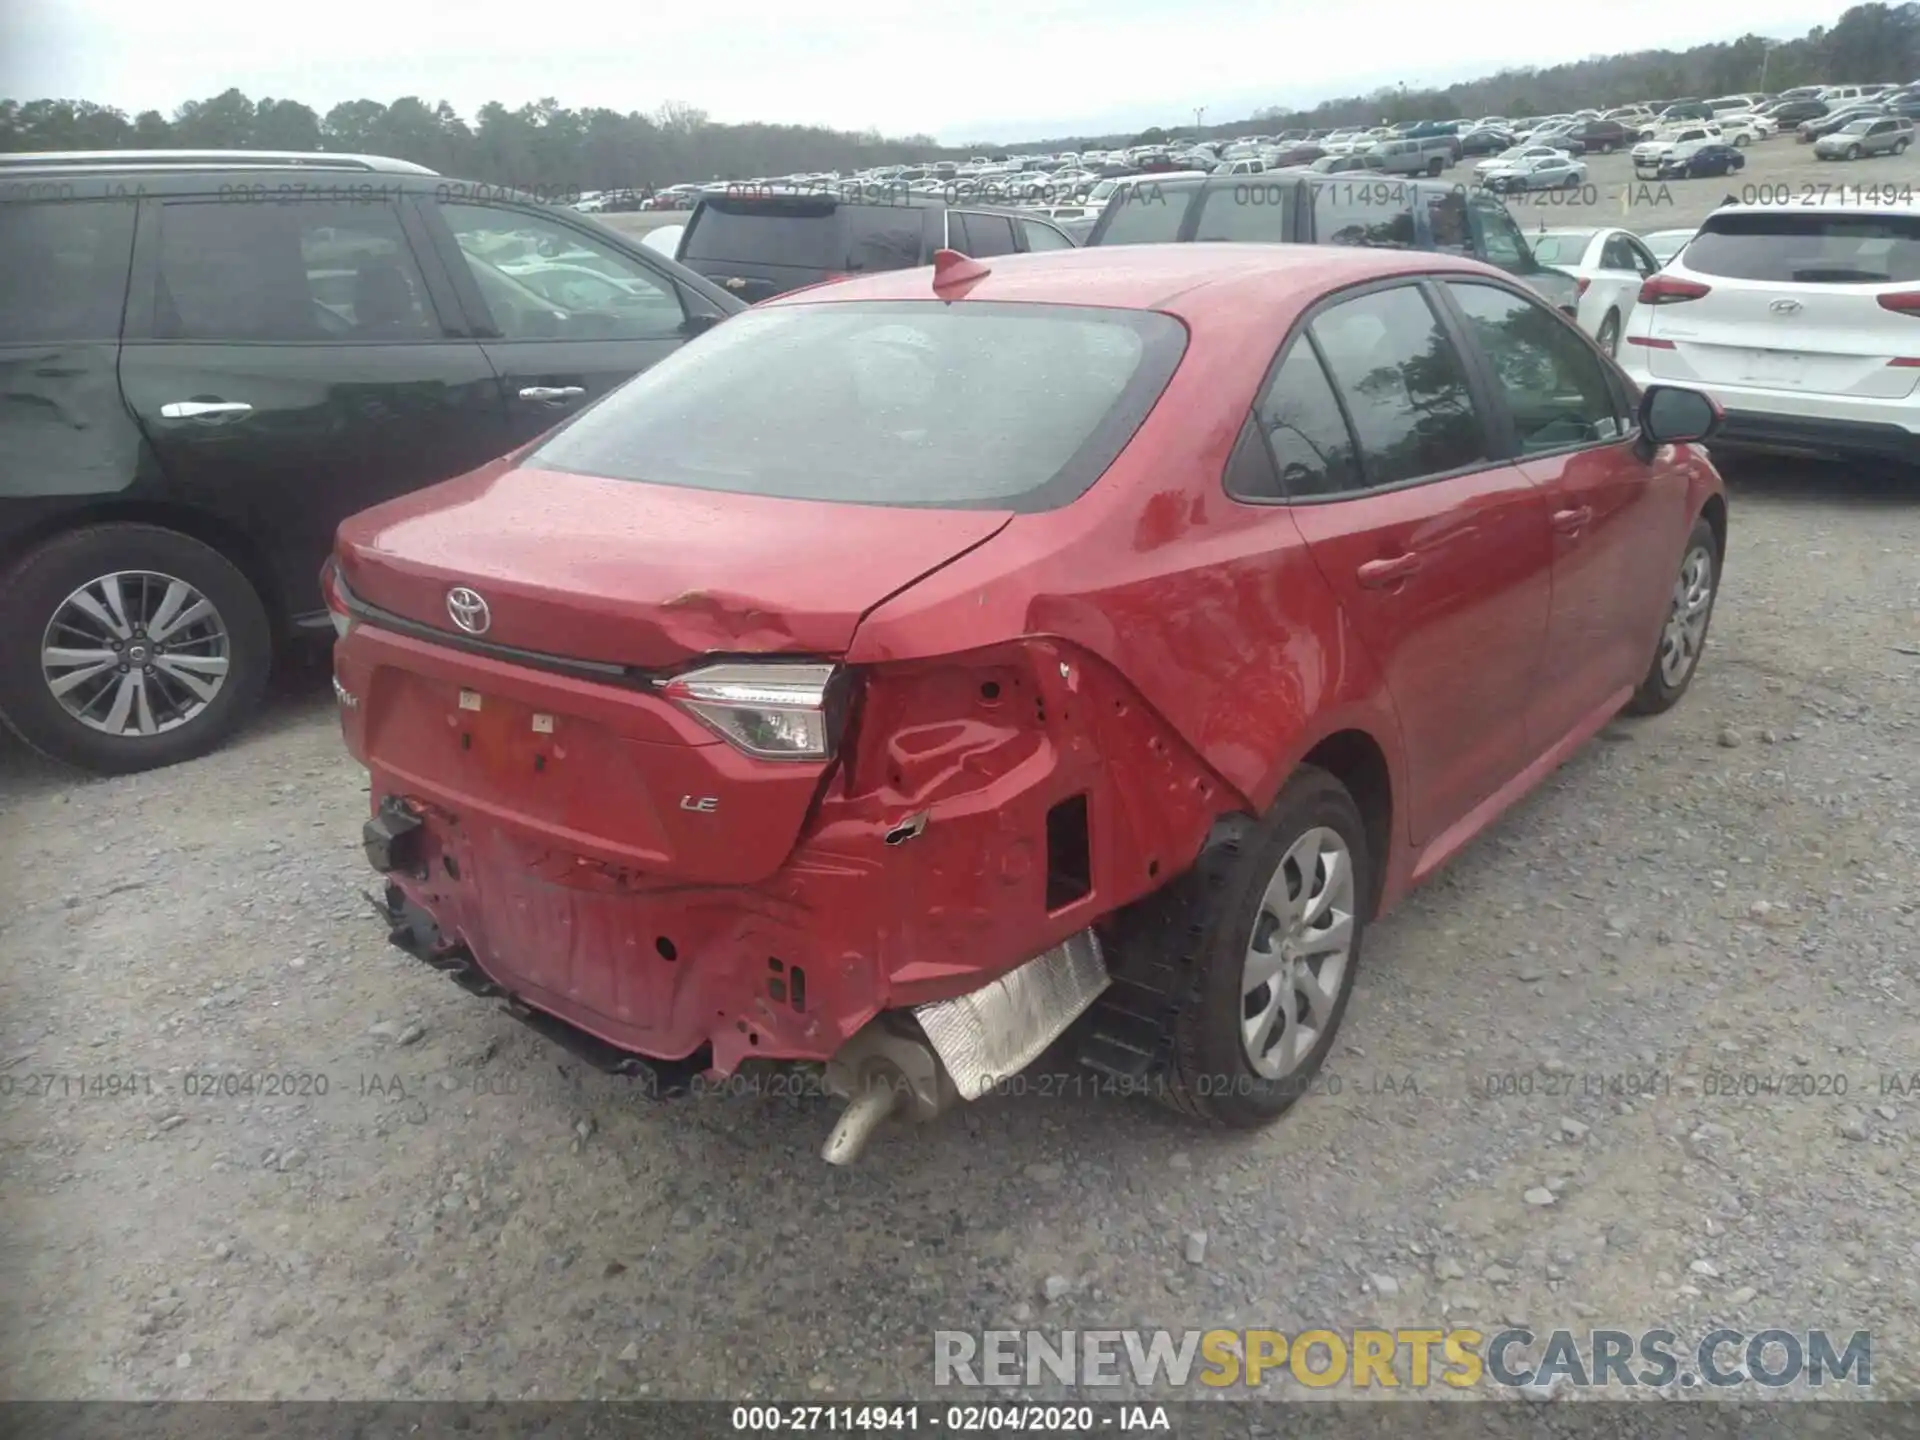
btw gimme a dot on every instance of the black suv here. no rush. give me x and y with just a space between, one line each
759 242
209 359
1305 208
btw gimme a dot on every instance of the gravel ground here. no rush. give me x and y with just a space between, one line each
463 1213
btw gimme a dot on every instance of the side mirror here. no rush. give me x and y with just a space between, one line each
698 322
1673 415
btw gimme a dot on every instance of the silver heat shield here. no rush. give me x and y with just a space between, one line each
1002 1028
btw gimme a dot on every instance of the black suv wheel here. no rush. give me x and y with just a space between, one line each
128 647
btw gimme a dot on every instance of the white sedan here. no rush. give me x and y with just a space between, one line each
1514 155
1665 244
665 239
1608 266
1555 170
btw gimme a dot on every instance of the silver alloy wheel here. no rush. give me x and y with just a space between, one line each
1302 945
135 653
1686 626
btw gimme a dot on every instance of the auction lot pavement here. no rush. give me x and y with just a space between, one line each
248 1150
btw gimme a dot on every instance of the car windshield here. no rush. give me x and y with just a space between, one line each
904 403
1809 249
1568 247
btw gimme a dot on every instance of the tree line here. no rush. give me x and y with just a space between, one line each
545 146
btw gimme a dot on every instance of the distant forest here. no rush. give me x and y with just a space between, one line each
544 146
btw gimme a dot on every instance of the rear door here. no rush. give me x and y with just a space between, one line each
64 433
1789 299
282 397
563 316
1438 552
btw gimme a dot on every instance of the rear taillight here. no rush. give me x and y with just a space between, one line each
1649 342
1581 283
775 710
1670 290
1901 302
334 592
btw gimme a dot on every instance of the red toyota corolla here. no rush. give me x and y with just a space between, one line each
918 664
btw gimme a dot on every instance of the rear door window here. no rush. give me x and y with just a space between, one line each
65 274
1305 429
883 237
1809 249
980 236
1363 212
1041 236
1253 210
1404 385
311 272
1145 214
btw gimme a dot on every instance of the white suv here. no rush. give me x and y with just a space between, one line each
1648 154
1801 320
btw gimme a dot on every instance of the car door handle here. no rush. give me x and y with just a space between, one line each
1572 522
551 393
1380 574
202 409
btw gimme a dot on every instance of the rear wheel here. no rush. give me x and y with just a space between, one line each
1435 166
1609 336
1900 147
1683 636
128 647
1274 948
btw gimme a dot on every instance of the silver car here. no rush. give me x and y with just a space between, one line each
1886 135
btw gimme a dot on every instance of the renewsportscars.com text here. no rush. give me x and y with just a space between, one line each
1460 1359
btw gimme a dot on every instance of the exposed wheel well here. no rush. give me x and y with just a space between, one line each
1715 514
1355 759
234 544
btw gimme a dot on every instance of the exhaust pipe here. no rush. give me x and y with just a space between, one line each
868 1112
915 1065
888 1069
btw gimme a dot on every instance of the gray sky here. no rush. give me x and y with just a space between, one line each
958 69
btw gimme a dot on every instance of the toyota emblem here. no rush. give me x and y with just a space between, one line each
469 610
1784 306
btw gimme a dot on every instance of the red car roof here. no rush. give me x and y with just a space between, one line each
1187 280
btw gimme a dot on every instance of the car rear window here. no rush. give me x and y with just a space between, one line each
1568 249
911 403
803 233
1809 249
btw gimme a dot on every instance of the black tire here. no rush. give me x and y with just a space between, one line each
1435 166
1609 337
1658 692
1900 147
1853 152
1740 139
1209 1076
33 591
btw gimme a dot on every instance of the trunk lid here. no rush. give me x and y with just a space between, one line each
1794 305
650 576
